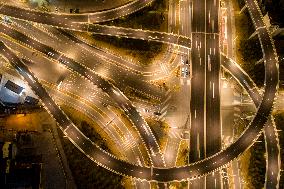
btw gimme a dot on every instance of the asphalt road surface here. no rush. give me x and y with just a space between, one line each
176 173
94 17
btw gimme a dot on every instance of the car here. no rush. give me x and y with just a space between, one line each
157 113
184 72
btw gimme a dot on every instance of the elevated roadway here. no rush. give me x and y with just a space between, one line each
122 101
93 17
200 168
270 133
64 23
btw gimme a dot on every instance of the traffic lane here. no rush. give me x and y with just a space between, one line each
183 28
272 145
255 13
47 100
242 78
198 16
143 128
99 51
212 16
95 17
116 136
250 134
236 148
42 17
124 10
213 125
103 158
123 77
197 98
213 113
273 155
74 134
124 103
140 34
62 22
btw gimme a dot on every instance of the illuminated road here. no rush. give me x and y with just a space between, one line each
270 133
176 173
113 92
64 23
94 17
107 65
200 168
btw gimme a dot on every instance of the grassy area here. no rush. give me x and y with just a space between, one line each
252 162
178 185
275 8
279 120
253 166
244 167
143 51
86 173
257 164
248 50
183 151
153 17
160 130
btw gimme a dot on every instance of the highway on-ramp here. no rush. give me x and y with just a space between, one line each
200 168
64 23
94 17
124 103
270 133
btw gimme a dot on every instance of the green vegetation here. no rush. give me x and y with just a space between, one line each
86 126
160 130
257 164
178 185
144 51
279 120
86 173
152 17
275 8
253 165
249 49
252 162
183 152
241 3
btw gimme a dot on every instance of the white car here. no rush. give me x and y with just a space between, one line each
184 72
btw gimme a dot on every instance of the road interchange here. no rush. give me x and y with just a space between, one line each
254 128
